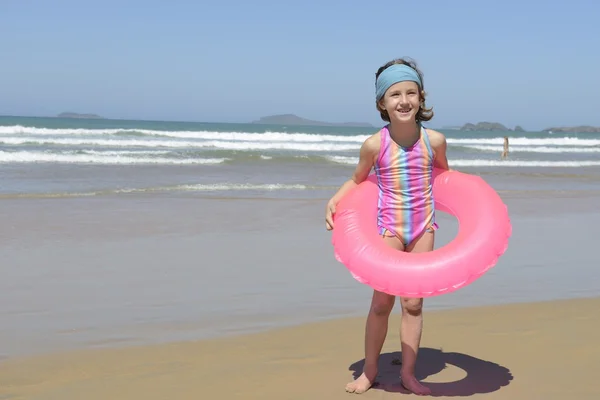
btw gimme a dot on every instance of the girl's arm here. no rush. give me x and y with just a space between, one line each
439 146
368 153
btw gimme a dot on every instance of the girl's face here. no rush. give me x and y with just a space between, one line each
402 101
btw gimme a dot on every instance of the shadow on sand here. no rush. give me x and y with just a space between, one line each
482 376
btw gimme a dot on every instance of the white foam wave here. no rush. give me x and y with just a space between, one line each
203 135
41 157
490 163
241 186
519 163
525 141
537 149
214 187
124 152
20 131
343 159
216 144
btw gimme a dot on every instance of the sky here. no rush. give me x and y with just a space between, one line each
529 63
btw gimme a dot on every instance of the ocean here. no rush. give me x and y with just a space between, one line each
52 157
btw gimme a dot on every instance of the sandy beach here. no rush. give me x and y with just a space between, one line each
235 293
546 350
124 297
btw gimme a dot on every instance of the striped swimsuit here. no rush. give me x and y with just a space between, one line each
404 174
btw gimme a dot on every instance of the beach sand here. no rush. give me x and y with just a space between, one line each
192 296
547 350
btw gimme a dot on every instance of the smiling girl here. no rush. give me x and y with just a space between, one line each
403 154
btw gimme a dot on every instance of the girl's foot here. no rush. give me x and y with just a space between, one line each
363 382
410 383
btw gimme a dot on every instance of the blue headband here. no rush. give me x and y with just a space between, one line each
394 74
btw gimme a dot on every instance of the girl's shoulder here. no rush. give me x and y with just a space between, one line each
437 139
373 142
370 147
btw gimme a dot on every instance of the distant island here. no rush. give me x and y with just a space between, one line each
489 126
291 119
495 126
574 129
80 116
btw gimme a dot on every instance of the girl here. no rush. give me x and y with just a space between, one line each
403 154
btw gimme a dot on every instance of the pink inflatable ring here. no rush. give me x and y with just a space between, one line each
484 230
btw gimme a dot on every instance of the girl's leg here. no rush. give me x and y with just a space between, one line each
375 332
412 324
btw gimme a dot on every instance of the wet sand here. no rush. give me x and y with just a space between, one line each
544 350
145 269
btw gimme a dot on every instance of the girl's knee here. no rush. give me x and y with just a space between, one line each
412 305
382 305
382 309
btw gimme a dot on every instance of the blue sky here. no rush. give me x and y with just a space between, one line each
530 63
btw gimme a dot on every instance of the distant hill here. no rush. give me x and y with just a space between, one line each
484 126
76 115
488 126
574 129
291 119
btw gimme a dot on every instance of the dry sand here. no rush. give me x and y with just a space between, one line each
546 350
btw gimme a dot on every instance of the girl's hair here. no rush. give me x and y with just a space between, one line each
424 113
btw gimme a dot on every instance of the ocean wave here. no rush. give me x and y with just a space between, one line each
536 149
201 135
573 147
273 136
490 163
525 141
209 144
200 187
242 186
45 157
129 157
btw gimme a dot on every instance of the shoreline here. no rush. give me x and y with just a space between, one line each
268 327
517 351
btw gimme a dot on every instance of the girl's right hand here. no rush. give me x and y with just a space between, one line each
329 211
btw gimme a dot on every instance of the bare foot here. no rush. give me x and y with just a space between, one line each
411 384
363 382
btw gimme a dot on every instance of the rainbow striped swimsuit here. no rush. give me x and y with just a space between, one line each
404 174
